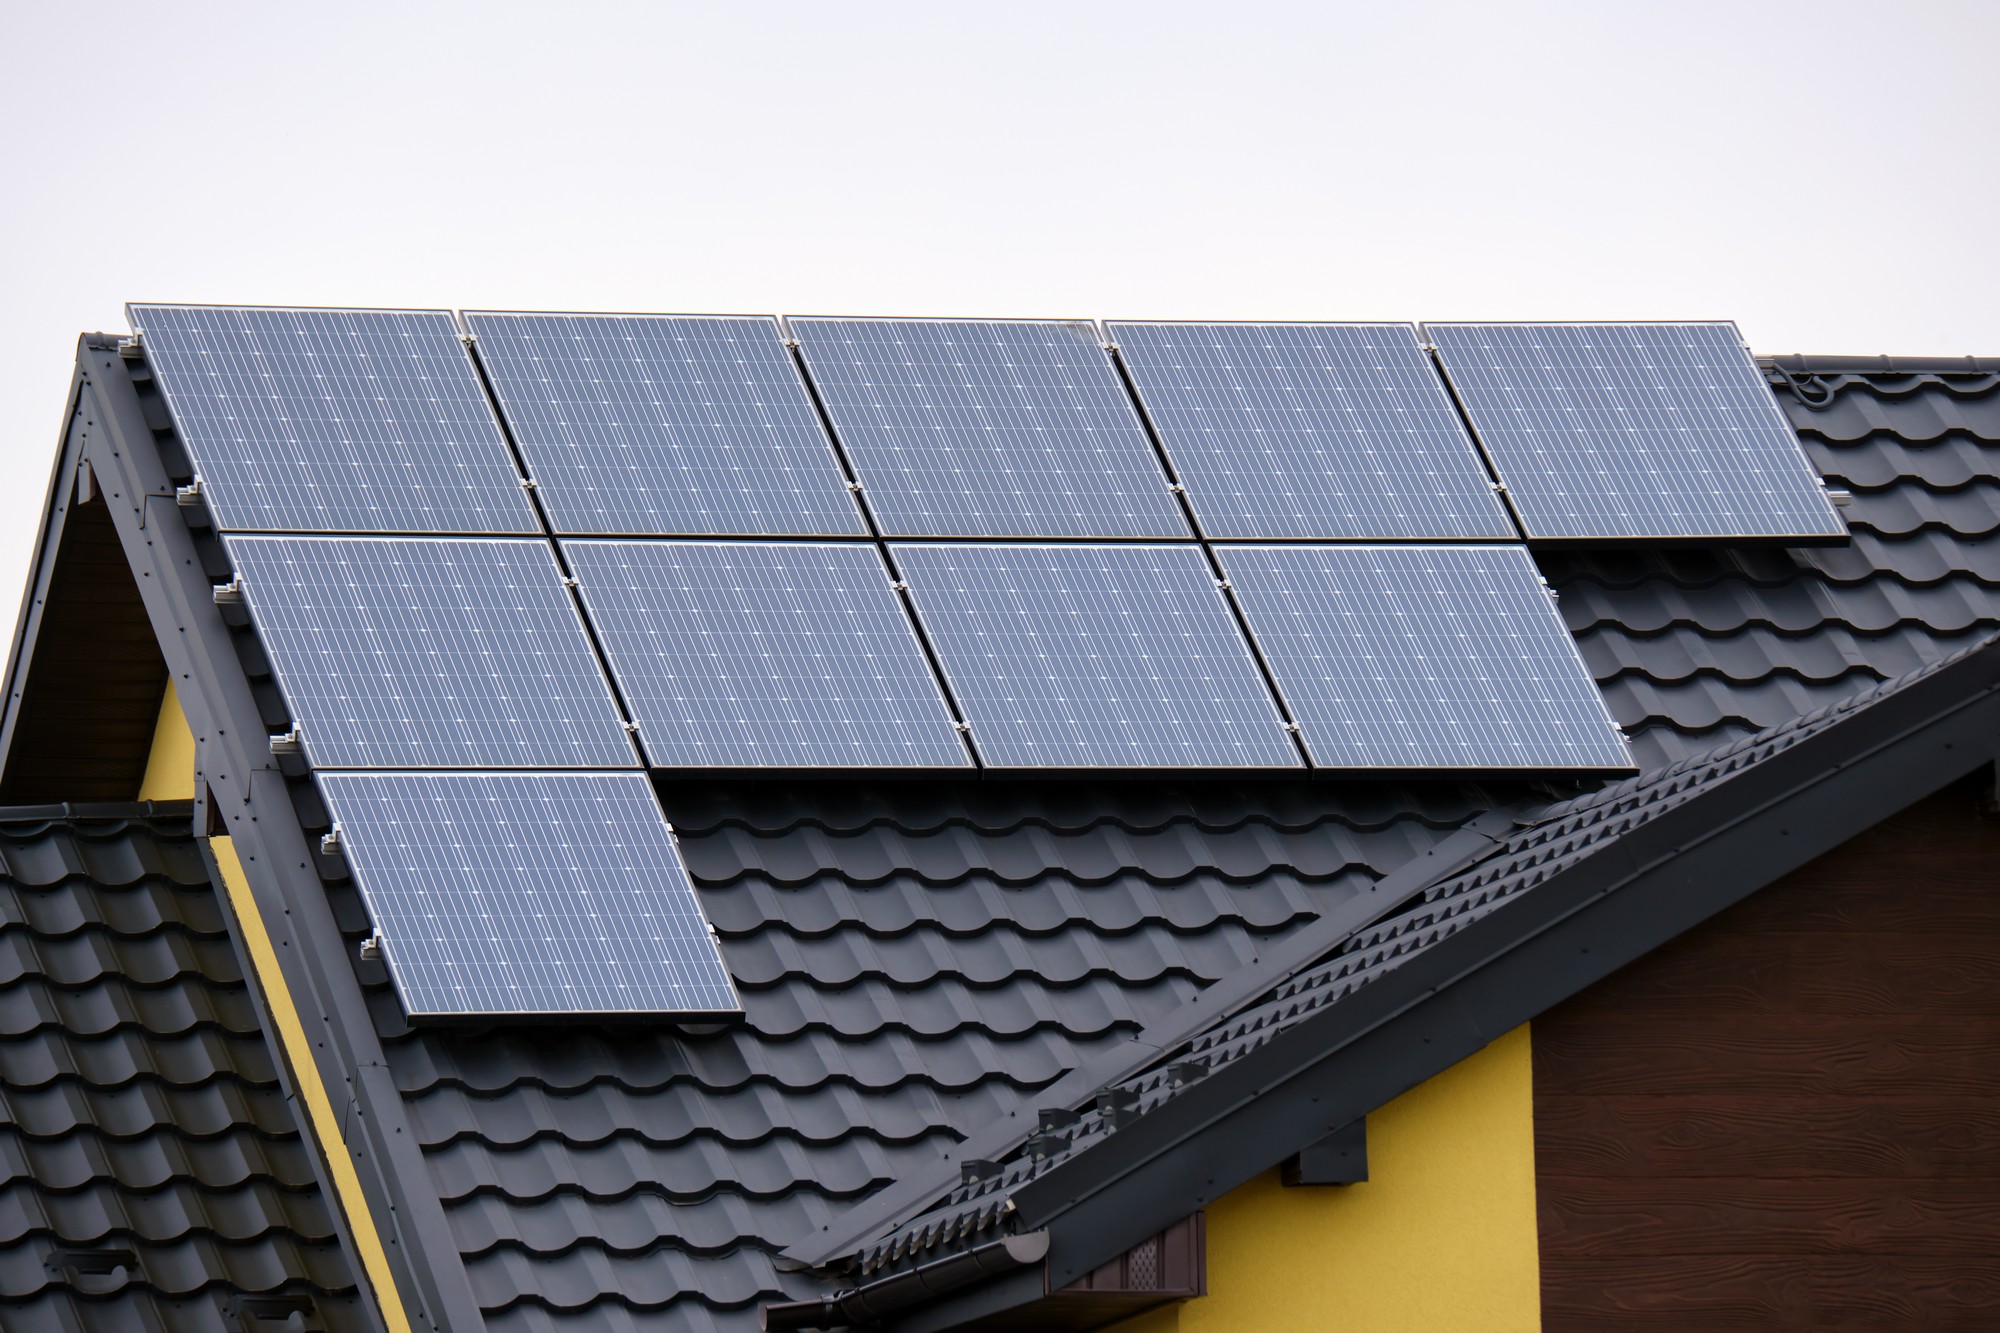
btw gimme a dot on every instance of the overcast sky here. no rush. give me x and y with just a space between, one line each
1823 173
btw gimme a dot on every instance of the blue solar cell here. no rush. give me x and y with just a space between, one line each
1089 656
430 653
334 420
765 654
664 424
1311 430
968 428
1423 657
528 893
1634 431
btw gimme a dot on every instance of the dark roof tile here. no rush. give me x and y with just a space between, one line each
139 1106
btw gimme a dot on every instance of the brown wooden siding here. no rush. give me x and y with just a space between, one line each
1790 1116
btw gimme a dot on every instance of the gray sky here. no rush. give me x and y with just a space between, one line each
1823 173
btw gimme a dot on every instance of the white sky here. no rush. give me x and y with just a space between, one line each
1824 173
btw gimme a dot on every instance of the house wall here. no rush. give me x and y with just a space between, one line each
1790 1116
1440 1236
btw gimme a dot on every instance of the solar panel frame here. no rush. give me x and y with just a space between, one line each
778 433
1367 444
725 670
908 486
484 662
1037 645
587 911
320 450
1557 499
1408 658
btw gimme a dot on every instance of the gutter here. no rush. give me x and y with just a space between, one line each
876 1301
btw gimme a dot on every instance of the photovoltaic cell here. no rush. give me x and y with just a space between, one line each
967 428
528 893
1423 657
334 420
1634 431
430 653
1095 656
1311 430
765 654
672 425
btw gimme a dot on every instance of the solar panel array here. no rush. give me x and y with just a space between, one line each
672 425
982 428
1088 656
334 420
1634 431
469 655
765 654
1331 431
430 653
1423 657
523 894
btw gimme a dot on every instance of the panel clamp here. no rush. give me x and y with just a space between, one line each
1222 583
1292 727
329 842
132 348
1109 347
529 484
1427 347
371 948
631 728
1176 488
963 727
467 339
789 342
854 486
570 581
897 585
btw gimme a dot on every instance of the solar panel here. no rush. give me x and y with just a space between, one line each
666 424
1311 430
334 420
528 893
978 428
1088 656
765 654
1423 657
430 653
1634 431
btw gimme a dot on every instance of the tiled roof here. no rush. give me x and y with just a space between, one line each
917 960
152 1174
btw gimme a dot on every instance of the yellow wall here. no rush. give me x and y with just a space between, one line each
170 767
1440 1236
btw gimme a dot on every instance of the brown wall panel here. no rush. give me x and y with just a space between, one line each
1755 1293
1790 1116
